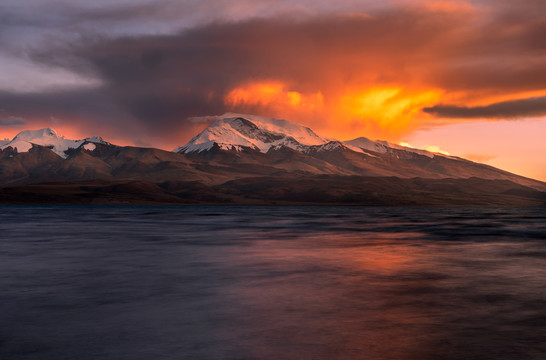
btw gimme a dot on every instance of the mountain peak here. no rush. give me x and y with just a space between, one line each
29 135
236 131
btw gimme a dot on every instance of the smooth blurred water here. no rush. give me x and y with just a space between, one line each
300 283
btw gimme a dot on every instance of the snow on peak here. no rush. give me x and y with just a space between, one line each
233 131
362 144
29 135
48 138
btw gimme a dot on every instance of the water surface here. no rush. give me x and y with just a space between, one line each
201 282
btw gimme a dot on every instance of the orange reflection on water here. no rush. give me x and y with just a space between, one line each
332 296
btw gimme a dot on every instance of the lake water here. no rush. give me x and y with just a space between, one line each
201 282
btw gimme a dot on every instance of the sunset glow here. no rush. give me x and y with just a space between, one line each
380 112
274 94
383 70
387 112
273 179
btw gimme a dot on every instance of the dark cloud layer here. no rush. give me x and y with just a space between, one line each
158 82
532 107
13 122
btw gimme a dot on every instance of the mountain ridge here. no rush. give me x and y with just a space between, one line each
273 151
47 137
236 131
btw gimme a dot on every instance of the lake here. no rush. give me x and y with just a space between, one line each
198 282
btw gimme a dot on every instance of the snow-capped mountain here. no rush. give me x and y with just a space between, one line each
263 145
237 131
251 159
241 131
48 137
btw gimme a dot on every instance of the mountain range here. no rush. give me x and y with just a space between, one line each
248 159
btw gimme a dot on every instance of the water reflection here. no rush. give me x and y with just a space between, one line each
272 283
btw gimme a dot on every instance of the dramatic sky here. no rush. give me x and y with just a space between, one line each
466 77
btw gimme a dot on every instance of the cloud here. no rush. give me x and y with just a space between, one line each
13 122
531 107
345 74
331 63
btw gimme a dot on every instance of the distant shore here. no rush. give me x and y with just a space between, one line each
325 190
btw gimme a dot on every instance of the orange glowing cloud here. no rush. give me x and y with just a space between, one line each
448 6
387 111
379 111
273 93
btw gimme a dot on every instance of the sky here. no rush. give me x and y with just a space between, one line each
464 77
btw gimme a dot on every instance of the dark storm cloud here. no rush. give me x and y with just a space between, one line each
197 67
182 75
125 115
531 107
89 110
159 81
12 122
79 103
